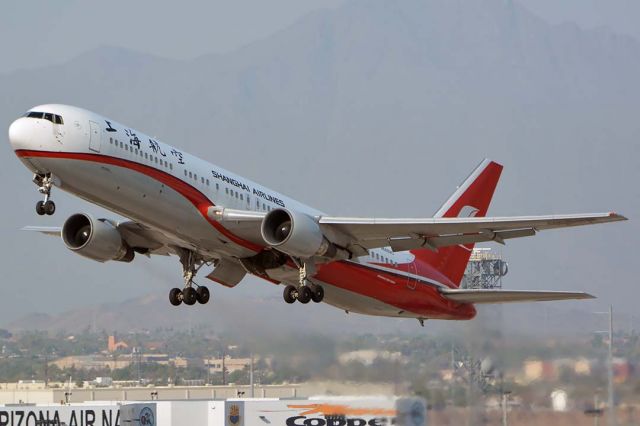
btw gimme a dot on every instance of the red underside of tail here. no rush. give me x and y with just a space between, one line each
472 199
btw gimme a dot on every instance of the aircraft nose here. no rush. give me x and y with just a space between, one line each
20 134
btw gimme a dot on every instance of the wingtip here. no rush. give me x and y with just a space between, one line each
616 216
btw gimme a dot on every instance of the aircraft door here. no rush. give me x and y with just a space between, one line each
411 281
95 134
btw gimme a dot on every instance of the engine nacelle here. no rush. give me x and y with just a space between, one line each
96 239
297 234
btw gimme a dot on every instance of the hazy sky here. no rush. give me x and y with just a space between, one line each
43 32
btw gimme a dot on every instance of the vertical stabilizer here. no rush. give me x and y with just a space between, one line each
471 199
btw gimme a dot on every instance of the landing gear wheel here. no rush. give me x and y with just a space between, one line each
317 294
175 296
189 296
40 208
202 295
49 207
290 293
304 294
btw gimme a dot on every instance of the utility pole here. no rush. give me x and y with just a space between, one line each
46 369
224 369
505 401
612 413
251 377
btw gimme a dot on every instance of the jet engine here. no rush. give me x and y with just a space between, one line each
97 239
297 234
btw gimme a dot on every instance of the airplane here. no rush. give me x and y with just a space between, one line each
207 216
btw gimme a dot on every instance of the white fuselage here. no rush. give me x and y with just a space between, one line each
166 189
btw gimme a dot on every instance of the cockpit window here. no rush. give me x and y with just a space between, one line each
54 118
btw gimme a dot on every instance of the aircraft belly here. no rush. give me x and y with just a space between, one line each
142 199
357 303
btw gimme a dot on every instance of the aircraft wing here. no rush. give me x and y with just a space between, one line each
47 230
134 234
408 234
508 296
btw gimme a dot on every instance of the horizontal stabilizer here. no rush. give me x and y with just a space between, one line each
509 296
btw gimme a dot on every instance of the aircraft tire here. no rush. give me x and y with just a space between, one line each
189 296
49 207
202 295
289 294
304 294
175 296
40 208
317 294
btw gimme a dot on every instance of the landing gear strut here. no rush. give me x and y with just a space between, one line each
44 183
191 263
306 290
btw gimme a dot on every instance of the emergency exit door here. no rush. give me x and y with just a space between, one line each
95 134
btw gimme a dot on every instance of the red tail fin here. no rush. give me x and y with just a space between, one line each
472 198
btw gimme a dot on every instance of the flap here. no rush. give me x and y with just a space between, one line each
228 273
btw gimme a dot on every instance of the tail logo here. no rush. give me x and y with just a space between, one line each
468 211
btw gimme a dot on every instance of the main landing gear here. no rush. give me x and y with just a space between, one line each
191 263
305 291
44 183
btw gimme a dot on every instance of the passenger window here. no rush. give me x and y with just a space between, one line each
146 156
111 141
190 175
195 176
201 180
121 145
236 194
126 147
171 166
241 197
217 187
226 190
207 182
156 159
136 152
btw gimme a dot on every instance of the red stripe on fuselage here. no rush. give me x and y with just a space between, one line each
197 198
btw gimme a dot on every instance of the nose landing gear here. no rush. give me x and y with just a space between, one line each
44 183
191 263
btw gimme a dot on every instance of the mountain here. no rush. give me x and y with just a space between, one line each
268 316
374 108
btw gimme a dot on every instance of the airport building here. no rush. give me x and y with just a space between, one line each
321 411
